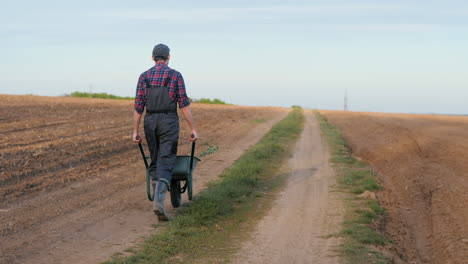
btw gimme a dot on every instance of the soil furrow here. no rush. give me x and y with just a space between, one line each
85 212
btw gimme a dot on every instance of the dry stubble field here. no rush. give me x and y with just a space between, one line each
422 162
72 182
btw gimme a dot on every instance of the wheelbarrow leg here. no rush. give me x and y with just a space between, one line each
190 186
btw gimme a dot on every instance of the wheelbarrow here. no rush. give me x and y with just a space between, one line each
182 177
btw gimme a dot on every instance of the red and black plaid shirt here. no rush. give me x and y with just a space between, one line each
156 77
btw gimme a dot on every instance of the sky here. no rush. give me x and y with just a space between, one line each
390 56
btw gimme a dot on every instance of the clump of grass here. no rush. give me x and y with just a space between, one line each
375 206
259 121
100 95
353 177
362 234
357 253
202 228
366 184
362 217
210 150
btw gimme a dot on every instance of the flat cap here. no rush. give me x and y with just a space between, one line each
161 50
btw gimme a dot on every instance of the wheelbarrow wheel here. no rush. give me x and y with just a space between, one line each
149 193
190 186
176 198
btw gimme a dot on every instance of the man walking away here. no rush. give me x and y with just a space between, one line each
160 89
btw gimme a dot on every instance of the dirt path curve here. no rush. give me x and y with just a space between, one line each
297 227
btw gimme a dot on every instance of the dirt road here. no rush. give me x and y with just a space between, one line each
72 184
422 163
297 227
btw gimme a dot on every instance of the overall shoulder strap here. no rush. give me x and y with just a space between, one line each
169 77
147 81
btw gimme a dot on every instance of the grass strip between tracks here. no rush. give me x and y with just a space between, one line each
364 218
207 229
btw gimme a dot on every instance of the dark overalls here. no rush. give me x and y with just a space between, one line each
161 130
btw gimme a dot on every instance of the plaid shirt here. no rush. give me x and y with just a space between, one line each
156 76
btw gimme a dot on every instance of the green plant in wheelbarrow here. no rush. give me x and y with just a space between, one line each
182 176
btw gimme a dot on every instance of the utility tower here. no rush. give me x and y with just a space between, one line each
346 100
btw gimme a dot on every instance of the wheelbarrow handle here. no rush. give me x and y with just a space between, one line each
146 162
193 153
142 152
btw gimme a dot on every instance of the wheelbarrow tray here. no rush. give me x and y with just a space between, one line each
182 169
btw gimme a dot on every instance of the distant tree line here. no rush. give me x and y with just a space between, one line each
111 96
207 101
100 95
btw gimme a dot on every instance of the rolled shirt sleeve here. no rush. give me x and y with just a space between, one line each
181 94
140 96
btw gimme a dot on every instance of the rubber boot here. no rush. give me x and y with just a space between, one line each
158 203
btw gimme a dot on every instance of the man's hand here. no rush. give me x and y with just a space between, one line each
136 123
136 137
193 136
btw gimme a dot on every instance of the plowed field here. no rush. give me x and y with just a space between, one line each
72 181
422 162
